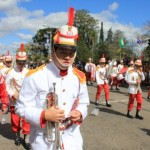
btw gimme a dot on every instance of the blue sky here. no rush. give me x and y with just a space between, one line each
20 19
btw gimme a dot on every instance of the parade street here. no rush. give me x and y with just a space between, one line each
110 130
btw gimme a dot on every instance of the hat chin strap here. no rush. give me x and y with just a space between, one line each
65 66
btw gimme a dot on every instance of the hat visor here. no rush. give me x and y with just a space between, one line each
138 65
65 46
21 61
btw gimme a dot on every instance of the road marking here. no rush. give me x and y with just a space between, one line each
118 101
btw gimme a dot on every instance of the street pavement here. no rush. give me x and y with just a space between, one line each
110 130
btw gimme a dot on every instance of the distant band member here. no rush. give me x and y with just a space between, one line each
14 80
8 64
90 69
113 76
102 82
135 76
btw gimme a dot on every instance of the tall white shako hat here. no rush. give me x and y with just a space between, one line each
102 60
8 57
67 35
138 62
131 62
21 55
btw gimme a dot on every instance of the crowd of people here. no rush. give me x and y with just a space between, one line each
54 96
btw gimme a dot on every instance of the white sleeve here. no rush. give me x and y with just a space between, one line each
97 76
9 89
86 67
83 100
142 76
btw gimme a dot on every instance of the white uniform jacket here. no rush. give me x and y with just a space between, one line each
32 101
127 72
114 72
88 67
14 80
132 80
101 75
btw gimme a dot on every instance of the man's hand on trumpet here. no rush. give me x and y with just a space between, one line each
75 116
54 114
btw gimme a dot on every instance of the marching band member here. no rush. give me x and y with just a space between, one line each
90 69
3 95
113 76
102 82
14 80
56 78
135 76
8 64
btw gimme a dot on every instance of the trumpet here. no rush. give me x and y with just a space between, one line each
52 128
139 77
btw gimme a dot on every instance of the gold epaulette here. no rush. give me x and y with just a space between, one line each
80 75
8 71
1 67
35 70
97 67
131 71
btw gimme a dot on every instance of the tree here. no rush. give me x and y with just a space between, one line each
101 39
101 45
87 28
146 37
41 45
146 52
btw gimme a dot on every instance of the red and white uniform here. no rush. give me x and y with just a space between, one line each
102 82
113 76
90 69
3 93
127 72
14 80
32 100
133 89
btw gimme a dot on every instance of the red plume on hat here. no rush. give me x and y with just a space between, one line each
67 34
71 16
22 47
21 55
103 59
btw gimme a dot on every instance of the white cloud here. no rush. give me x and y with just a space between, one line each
7 4
25 36
113 6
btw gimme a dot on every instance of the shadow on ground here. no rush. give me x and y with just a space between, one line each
146 130
6 131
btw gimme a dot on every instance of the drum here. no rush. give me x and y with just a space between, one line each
120 76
